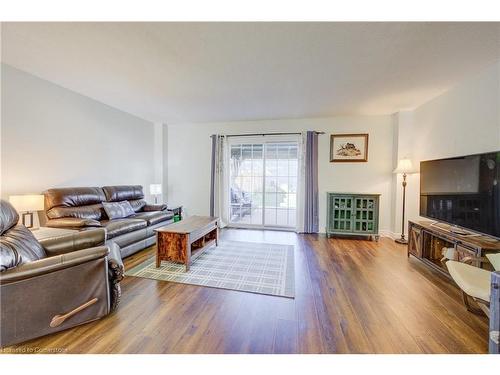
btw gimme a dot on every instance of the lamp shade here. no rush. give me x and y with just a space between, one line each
405 166
155 189
27 203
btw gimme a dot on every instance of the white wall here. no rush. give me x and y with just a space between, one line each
189 159
53 137
464 120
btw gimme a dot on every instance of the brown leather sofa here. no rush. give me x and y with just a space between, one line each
51 285
81 208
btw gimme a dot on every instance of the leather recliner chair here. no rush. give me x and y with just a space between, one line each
51 285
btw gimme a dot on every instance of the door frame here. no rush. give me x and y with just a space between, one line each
262 139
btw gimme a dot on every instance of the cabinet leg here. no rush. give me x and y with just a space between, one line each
187 251
158 247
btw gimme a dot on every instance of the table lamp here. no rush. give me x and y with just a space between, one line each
155 190
405 167
26 205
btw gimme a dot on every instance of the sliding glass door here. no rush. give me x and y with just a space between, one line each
263 182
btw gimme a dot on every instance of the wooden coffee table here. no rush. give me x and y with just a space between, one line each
184 241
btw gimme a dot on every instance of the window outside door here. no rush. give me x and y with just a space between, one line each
263 183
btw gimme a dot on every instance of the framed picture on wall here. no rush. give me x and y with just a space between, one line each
348 147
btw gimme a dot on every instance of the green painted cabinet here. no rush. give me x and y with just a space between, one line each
352 214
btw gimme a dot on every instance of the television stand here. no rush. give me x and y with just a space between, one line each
460 232
451 228
426 241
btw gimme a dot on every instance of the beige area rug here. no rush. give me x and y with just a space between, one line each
245 266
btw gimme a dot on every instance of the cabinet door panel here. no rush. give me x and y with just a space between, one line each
465 252
331 212
365 212
342 213
415 241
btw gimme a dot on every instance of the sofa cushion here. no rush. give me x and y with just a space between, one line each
115 228
8 216
72 222
128 239
154 207
154 217
89 212
19 246
79 202
137 204
118 210
123 193
17 243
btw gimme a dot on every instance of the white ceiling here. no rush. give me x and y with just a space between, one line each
199 72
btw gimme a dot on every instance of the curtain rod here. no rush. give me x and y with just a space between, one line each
263 134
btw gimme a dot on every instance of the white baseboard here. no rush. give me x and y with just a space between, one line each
383 233
390 234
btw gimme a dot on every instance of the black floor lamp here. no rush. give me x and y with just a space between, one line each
404 167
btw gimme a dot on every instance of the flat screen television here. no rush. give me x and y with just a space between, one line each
463 191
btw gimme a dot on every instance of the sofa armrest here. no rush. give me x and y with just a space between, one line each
176 210
115 255
52 264
116 272
154 207
73 242
72 222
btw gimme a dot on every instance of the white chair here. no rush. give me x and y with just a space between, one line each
473 281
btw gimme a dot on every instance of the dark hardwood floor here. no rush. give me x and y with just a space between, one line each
351 297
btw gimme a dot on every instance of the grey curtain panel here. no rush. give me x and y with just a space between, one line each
311 203
213 174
